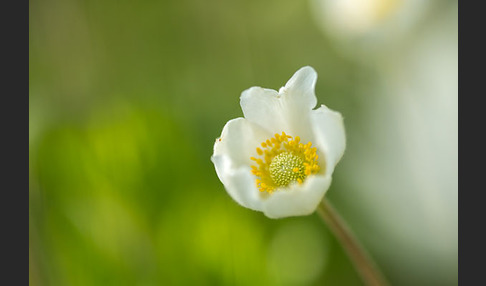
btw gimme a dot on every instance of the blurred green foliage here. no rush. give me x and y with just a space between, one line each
123 198
126 100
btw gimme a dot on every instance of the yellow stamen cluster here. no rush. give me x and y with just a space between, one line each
283 160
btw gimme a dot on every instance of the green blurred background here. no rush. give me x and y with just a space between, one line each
126 99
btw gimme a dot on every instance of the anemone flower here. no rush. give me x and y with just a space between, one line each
279 159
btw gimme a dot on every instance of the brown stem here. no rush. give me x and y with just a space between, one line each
357 254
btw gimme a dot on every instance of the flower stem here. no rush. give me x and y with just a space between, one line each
363 263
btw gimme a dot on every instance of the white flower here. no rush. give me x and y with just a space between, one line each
356 16
368 23
279 159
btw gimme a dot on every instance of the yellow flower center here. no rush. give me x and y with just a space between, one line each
286 168
283 160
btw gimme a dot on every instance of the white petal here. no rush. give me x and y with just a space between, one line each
297 200
300 89
239 140
264 107
240 185
286 110
329 133
231 158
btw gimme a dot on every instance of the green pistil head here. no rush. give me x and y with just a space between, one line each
286 168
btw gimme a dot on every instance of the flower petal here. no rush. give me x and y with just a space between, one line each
329 134
300 89
264 107
297 200
239 140
240 185
286 110
231 158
